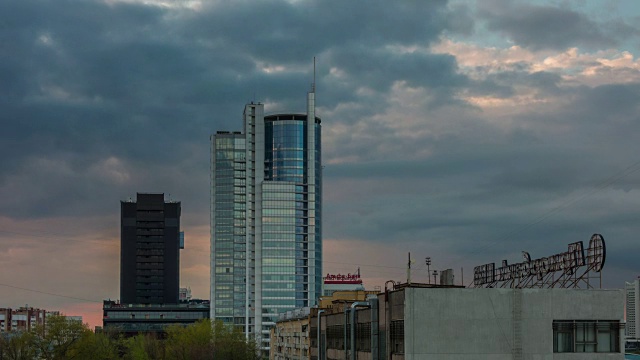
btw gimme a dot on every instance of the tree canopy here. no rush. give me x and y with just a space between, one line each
63 339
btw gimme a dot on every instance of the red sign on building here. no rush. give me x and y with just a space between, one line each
343 279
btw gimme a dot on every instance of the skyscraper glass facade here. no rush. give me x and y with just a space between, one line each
286 148
229 249
272 236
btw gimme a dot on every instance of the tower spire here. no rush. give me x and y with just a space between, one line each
313 84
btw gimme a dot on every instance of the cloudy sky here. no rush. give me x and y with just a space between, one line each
466 131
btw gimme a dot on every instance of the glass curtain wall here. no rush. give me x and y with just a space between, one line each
317 218
278 250
229 250
287 240
266 219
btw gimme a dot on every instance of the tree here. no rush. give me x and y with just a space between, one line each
59 338
230 343
144 347
191 342
17 346
3 345
98 346
63 339
204 341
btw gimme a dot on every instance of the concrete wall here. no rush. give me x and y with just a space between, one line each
478 324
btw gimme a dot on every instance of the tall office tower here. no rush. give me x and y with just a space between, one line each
632 309
266 228
149 250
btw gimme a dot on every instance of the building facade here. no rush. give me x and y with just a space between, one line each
5 320
290 335
632 303
151 298
451 322
340 297
132 319
149 250
69 318
21 319
266 222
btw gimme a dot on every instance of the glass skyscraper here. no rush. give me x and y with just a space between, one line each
266 224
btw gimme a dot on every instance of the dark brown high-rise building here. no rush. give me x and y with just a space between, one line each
149 250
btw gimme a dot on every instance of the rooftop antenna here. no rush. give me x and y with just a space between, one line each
313 85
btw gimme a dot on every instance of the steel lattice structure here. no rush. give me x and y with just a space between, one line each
570 269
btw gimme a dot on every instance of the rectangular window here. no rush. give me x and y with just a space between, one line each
335 337
397 337
586 336
363 337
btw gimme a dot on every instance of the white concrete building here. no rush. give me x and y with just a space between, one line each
632 303
531 324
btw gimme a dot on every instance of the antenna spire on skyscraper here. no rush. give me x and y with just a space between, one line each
313 85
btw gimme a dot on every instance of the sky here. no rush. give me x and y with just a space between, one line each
463 131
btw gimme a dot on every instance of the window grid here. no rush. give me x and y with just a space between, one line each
589 336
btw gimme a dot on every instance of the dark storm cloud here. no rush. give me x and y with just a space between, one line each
549 27
102 100
549 177
501 84
316 27
380 69
350 36
618 105
86 99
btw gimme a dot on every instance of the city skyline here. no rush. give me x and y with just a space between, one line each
463 131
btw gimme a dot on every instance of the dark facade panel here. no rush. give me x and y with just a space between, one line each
149 258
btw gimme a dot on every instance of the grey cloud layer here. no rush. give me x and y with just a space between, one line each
84 82
101 101
546 178
551 27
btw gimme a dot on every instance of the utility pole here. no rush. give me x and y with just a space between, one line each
427 261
